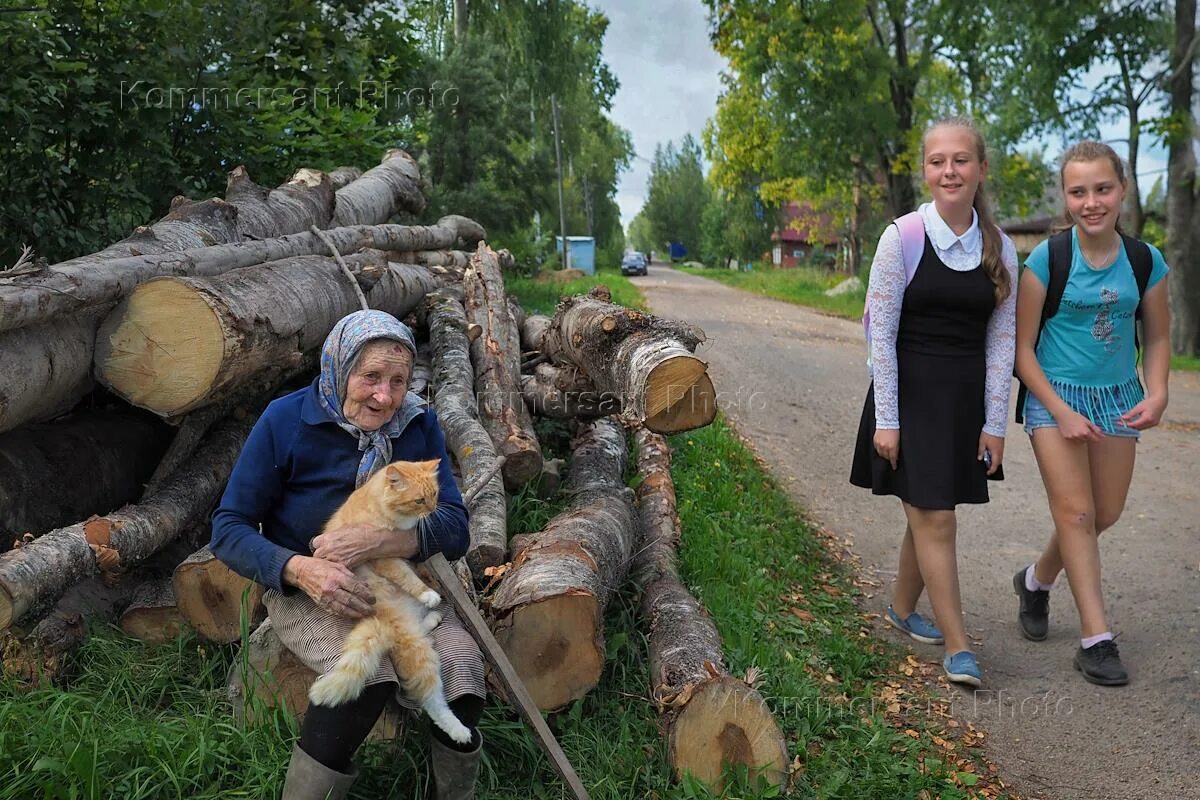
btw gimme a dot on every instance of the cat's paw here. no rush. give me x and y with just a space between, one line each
431 621
430 599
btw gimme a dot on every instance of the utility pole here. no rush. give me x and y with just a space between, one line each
562 219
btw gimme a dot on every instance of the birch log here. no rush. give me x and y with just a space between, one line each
496 355
548 609
177 344
47 368
644 360
304 201
91 463
533 328
152 615
394 185
45 295
563 392
472 448
710 718
342 176
39 572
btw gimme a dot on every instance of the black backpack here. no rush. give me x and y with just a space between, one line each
1060 269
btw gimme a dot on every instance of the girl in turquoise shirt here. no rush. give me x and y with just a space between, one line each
1086 406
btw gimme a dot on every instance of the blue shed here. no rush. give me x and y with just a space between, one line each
583 252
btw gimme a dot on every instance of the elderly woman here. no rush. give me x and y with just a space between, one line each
304 457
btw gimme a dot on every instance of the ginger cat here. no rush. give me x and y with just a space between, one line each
394 497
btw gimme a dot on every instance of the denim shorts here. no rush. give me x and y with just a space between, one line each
1038 416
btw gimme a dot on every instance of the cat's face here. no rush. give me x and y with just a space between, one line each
411 487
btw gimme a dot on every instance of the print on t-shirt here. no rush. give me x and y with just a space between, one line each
1104 325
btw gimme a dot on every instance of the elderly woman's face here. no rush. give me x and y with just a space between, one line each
377 384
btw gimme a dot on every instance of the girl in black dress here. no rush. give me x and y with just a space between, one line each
942 336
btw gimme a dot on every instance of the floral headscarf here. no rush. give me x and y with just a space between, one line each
338 355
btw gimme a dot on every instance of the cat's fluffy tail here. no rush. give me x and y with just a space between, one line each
361 656
420 672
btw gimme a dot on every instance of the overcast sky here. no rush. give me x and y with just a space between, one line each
670 77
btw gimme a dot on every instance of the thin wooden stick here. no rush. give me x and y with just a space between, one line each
482 482
362 298
479 631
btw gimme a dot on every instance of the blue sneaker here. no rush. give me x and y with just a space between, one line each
915 626
963 668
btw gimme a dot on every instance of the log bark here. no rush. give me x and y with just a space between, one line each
533 329
91 463
152 615
304 201
466 439
177 344
42 651
268 675
456 259
710 717
188 224
564 392
210 596
39 572
644 360
548 609
47 368
343 176
496 357
33 298
394 185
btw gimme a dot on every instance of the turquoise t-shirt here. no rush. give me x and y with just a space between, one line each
1089 342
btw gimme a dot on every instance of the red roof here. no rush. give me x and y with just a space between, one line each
800 221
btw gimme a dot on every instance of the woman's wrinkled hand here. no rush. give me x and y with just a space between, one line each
887 444
349 546
331 586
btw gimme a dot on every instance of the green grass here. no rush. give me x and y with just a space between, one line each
803 286
1185 362
540 295
141 722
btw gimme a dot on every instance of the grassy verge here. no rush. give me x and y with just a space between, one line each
803 286
143 722
1191 363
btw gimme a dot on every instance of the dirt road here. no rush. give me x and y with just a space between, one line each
793 382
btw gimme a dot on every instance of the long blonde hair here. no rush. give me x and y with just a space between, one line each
993 244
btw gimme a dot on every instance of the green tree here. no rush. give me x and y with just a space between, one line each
677 194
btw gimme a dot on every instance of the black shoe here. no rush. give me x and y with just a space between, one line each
1101 664
1034 615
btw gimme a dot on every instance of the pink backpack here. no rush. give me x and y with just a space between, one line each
912 247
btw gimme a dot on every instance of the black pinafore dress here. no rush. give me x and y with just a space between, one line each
942 363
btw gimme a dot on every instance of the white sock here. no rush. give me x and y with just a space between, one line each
1088 641
1033 584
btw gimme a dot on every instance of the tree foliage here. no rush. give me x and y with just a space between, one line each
677 194
108 110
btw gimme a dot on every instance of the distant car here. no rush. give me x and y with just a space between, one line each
633 264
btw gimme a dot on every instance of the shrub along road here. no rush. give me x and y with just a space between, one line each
793 382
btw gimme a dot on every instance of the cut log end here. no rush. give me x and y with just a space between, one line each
726 721
679 397
153 615
169 372
210 597
549 645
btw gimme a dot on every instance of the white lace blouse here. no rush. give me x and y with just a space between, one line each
885 296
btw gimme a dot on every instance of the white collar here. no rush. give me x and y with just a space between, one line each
941 234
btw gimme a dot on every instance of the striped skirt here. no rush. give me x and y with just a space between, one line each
316 636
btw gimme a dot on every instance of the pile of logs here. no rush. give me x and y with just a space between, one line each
138 371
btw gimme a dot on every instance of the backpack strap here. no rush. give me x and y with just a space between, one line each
912 242
1142 262
1059 269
